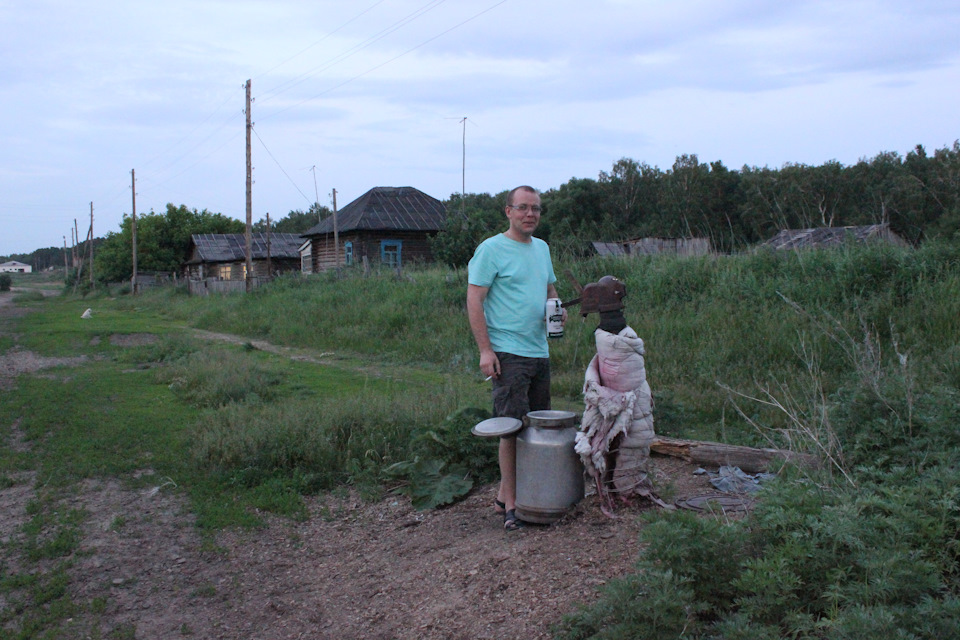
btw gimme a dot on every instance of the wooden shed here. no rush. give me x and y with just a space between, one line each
654 246
832 237
390 226
223 256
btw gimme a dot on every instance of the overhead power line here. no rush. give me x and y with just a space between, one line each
433 4
254 129
385 63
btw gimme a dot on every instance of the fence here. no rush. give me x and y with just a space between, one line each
213 285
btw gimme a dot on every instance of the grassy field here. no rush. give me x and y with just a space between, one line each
853 355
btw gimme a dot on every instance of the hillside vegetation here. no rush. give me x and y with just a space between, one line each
852 355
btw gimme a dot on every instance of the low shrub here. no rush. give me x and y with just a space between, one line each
215 378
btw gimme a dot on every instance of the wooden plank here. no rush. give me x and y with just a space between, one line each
717 454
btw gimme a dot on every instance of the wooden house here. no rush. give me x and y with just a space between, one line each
223 256
389 226
832 237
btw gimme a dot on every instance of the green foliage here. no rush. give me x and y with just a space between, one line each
875 556
216 378
296 221
470 220
162 241
5 281
447 460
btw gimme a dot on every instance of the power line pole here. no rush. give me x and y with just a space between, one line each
463 183
336 235
66 267
133 229
91 245
269 264
249 274
76 247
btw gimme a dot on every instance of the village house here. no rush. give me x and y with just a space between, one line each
222 257
389 226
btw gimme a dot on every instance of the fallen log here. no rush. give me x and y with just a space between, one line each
717 454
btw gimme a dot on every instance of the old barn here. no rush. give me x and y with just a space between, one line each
222 257
389 226
832 237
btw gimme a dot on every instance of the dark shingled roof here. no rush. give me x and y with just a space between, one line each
831 236
231 247
387 209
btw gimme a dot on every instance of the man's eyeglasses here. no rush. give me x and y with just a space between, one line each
523 208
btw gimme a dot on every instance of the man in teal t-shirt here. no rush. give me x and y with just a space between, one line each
510 278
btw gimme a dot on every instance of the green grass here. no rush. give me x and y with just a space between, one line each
860 344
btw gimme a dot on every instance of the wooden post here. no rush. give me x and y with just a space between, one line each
717 454
269 265
249 274
91 246
133 229
336 235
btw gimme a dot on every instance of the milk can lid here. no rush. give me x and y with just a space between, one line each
497 427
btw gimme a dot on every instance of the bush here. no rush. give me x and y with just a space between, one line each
5 282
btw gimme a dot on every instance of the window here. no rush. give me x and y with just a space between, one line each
348 253
226 271
390 253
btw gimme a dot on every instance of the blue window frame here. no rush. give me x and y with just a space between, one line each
390 251
348 253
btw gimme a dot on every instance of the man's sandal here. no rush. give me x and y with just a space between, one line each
510 521
499 507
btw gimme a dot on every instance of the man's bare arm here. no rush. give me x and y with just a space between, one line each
489 364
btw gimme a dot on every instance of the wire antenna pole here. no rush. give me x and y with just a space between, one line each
316 193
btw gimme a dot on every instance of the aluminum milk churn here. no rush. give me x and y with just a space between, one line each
549 471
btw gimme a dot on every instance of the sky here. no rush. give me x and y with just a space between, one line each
441 95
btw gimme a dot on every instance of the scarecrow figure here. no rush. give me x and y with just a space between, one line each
617 427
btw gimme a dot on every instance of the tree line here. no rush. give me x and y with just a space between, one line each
918 195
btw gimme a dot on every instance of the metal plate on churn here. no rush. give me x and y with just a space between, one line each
495 427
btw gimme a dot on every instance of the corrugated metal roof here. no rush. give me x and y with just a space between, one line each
230 247
387 209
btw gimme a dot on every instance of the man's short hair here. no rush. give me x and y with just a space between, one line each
520 188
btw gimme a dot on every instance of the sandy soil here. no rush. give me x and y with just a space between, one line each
353 569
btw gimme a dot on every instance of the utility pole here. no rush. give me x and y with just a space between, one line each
66 267
76 247
463 183
336 235
91 245
269 265
249 274
133 229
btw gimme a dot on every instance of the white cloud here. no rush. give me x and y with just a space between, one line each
372 94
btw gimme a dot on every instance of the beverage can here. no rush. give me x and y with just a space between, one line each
554 317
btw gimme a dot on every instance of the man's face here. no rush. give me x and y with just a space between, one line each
524 214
